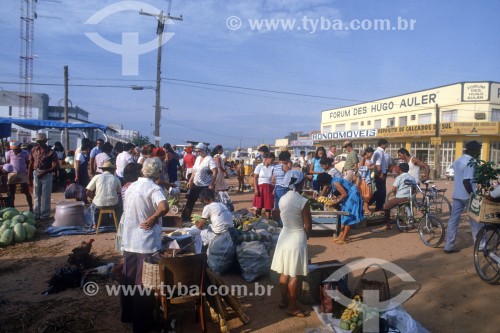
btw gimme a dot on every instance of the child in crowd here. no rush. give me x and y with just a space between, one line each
401 191
240 173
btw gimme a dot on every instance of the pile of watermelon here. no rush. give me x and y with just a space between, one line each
16 226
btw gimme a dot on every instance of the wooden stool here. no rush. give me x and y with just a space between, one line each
106 210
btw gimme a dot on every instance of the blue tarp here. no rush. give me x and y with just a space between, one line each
35 124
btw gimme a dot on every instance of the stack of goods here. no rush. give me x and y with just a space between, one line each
16 226
355 313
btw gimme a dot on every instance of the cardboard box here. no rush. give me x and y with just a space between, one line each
483 210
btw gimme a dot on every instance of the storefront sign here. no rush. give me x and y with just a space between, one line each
345 135
393 104
480 128
301 143
401 131
472 92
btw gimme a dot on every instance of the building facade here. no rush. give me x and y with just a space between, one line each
433 124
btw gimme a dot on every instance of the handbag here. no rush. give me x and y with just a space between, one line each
381 286
328 292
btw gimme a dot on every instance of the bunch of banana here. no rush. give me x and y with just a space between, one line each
253 219
352 309
352 317
325 200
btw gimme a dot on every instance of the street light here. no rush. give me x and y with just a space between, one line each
161 18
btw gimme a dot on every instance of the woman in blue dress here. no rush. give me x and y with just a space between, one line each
349 200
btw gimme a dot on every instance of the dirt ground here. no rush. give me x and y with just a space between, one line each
451 297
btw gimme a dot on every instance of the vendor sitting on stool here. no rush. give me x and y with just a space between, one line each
220 217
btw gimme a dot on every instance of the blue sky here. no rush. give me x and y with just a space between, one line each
451 41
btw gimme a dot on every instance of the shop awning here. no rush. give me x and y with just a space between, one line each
35 124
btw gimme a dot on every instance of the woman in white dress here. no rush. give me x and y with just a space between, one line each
290 257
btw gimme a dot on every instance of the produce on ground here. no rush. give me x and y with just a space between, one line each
16 226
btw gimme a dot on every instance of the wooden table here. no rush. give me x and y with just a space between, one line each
327 220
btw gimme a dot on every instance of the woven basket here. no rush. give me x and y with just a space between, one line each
151 273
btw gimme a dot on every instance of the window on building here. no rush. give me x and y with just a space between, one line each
495 114
10 111
369 122
340 128
424 118
449 116
362 123
403 121
327 129
391 122
377 123
413 117
354 126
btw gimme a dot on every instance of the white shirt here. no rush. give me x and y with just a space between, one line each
265 173
462 172
414 170
122 160
203 170
107 188
99 161
496 192
378 158
219 215
237 154
141 201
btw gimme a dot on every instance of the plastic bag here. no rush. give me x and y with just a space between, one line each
221 253
253 259
223 197
399 318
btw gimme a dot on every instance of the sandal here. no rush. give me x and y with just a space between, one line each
300 314
341 242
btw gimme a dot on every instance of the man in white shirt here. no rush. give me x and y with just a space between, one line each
104 189
378 159
463 186
124 158
332 152
238 153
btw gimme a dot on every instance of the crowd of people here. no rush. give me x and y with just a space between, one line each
135 182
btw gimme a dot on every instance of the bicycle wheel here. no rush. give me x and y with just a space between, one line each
440 206
486 255
404 220
431 231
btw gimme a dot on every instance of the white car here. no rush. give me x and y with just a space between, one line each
450 173
341 161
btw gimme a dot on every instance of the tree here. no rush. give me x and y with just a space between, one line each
291 136
140 140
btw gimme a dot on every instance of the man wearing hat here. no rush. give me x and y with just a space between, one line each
42 163
351 162
19 159
104 189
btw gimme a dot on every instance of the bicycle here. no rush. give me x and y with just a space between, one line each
430 227
486 255
439 204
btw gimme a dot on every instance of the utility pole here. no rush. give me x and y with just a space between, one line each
161 18
437 144
66 131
